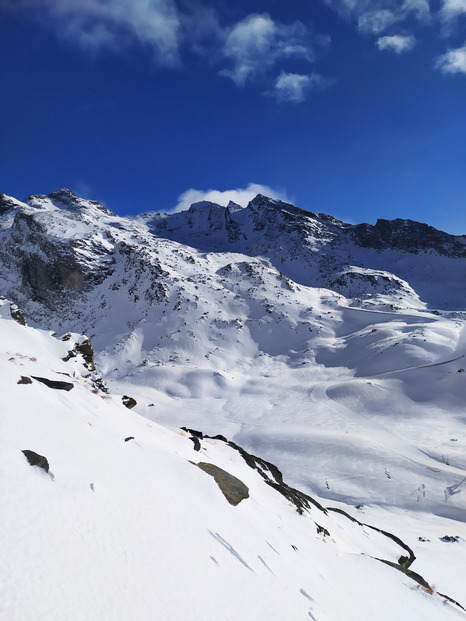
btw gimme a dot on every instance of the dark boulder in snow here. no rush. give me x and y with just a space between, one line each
232 488
57 384
129 402
197 443
25 380
17 314
35 459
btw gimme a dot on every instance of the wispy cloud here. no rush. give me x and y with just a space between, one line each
294 87
113 24
454 61
375 21
380 12
240 196
257 42
396 43
376 16
251 49
450 11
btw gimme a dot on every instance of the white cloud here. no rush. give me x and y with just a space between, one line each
375 16
257 42
450 11
241 196
421 9
454 61
96 24
293 87
244 49
396 43
374 22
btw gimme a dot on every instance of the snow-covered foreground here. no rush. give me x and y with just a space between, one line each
125 526
284 332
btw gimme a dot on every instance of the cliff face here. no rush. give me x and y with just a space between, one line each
58 250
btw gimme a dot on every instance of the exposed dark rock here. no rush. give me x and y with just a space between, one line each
322 531
129 438
197 444
407 561
52 270
232 488
129 402
219 437
99 384
6 204
450 539
17 314
408 572
84 348
453 601
35 459
407 235
69 199
303 501
24 380
57 384
86 351
273 477
194 432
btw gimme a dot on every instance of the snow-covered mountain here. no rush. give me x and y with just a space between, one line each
333 351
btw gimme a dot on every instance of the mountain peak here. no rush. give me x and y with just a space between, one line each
64 198
64 195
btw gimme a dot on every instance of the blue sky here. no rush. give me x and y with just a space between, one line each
356 108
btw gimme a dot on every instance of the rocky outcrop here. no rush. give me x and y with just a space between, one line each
56 384
17 314
232 488
25 380
35 459
82 347
407 235
128 402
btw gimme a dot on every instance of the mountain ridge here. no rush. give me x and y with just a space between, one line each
341 364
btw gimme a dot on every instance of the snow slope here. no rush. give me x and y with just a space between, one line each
332 351
124 526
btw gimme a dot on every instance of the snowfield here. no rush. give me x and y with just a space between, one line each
332 360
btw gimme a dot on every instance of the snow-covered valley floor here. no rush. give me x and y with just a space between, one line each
124 526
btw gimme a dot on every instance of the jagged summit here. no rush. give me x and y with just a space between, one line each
65 198
371 263
409 236
315 249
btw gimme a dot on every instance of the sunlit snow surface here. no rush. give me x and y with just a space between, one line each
133 530
359 401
